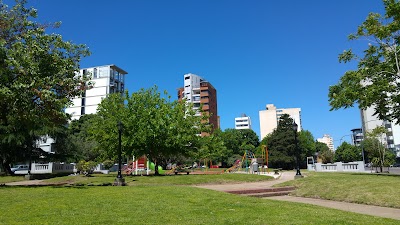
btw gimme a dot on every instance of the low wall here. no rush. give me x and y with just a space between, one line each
52 168
337 167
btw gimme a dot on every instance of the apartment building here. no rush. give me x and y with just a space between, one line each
270 116
107 79
391 139
357 136
243 122
201 93
328 140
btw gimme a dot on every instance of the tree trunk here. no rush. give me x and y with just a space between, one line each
6 166
156 168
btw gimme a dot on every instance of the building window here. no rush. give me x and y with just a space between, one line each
95 73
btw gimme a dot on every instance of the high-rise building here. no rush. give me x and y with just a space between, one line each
243 122
328 140
107 79
357 136
391 139
270 116
198 91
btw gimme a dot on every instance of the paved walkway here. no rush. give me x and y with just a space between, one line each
386 212
25 183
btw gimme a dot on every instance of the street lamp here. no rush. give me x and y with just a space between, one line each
119 181
298 173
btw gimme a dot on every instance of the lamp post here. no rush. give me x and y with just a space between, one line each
298 173
119 181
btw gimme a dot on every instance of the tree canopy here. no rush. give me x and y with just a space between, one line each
376 81
37 79
347 153
153 125
281 144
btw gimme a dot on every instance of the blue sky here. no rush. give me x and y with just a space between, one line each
253 52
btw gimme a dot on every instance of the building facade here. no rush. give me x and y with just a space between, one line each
243 122
357 136
270 116
391 139
328 140
201 93
107 79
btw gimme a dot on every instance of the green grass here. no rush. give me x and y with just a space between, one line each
99 179
8 179
363 188
159 205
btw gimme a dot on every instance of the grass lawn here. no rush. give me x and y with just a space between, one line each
364 188
159 205
98 179
7 179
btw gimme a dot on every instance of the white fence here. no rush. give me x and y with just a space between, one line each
51 168
337 167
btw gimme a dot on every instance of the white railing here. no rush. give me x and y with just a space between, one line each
338 167
49 168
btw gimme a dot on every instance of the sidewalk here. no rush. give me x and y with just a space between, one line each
386 212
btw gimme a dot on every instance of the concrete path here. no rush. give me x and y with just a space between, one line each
25 183
285 176
345 206
386 212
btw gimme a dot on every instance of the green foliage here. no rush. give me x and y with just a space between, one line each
307 144
152 125
37 80
375 150
85 146
211 148
281 144
108 164
348 153
238 141
375 81
326 155
86 167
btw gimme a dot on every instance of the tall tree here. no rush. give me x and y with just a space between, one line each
37 79
347 153
85 147
374 148
307 144
153 126
324 153
239 140
281 144
376 81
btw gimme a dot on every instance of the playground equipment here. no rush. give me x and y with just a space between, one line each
137 167
251 162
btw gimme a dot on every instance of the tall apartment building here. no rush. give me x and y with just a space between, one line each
270 116
391 139
243 122
357 136
198 91
328 140
107 79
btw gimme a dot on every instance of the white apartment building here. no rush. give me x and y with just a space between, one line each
107 79
328 140
270 116
391 139
243 122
